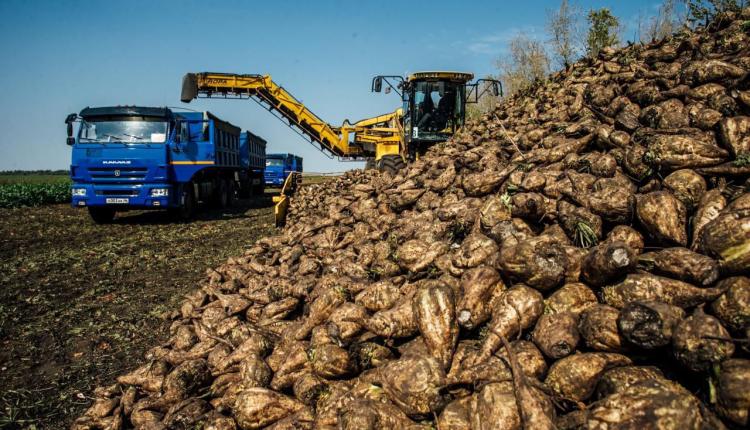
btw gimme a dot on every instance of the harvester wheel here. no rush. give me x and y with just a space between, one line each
370 164
392 164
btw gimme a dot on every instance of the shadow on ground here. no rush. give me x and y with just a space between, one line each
238 210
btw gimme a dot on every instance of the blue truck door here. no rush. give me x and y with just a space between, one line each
194 151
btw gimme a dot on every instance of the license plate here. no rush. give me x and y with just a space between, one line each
117 201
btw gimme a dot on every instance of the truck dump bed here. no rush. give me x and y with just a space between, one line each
252 151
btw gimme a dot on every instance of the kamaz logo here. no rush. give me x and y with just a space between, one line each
116 162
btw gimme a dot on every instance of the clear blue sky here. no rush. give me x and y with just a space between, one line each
57 57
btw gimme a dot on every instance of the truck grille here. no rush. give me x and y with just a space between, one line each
118 193
115 174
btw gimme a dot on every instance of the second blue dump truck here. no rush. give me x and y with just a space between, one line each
279 166
132 157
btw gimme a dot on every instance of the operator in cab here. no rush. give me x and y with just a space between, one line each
445 108
426 111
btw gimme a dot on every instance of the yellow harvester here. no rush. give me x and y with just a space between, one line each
433 109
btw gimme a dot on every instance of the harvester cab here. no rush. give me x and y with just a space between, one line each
434 105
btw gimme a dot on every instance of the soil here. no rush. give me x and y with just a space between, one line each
80 303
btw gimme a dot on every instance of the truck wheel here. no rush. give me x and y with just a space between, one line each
102 215
391 164
232 194
259 189
186 211
245 189
221 196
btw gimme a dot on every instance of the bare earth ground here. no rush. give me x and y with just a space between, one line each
80 303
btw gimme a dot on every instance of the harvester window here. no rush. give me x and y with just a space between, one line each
426 98
437 106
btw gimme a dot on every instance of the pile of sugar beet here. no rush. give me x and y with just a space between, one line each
576 259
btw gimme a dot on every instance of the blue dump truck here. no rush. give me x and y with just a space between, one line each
279 166
130 157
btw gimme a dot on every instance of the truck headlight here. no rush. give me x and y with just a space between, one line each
159 192
78 192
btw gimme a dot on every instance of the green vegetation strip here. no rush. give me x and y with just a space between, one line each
34 194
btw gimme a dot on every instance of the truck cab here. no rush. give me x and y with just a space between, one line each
131 157
279 166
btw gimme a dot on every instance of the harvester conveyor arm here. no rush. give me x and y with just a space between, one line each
333 140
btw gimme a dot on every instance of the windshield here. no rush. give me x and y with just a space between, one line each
274 162
128 130
438 107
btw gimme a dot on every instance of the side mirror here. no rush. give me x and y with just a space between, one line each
377 84
495 89
69 122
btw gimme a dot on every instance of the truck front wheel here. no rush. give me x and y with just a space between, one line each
102 215
186 210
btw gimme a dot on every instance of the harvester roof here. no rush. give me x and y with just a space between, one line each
441 75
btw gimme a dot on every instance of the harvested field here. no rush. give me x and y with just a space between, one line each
80 303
